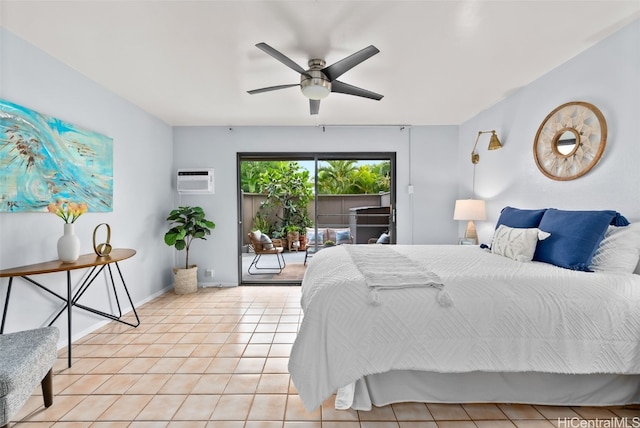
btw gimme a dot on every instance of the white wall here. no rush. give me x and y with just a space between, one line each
142 148
433 175
425 156
608 76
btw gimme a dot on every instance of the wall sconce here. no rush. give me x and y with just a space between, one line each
470 209
494 144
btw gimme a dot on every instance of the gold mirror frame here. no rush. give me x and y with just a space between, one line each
586 122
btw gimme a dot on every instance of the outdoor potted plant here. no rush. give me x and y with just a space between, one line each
293 237
187 224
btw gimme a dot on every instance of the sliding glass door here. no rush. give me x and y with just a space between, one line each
306 202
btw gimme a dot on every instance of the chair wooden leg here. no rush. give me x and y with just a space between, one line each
47 388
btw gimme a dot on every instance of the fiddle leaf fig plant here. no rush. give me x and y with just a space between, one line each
187 224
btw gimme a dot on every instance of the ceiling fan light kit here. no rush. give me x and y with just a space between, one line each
319 81
314 84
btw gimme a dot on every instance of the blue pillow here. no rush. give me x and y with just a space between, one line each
343 236
619 220
311 236
517 218
575 236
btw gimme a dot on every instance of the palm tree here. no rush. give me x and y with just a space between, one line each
336 177
365 180
382 171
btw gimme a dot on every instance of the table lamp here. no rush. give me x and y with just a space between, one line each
470 210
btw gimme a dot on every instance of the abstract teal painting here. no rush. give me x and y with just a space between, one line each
44 159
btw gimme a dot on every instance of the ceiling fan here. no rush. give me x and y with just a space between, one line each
319 81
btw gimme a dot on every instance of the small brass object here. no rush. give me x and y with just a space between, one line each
103 249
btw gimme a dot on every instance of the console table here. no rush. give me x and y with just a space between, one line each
96 263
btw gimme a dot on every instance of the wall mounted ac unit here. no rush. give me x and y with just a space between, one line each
195 181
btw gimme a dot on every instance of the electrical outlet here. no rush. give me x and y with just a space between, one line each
209 273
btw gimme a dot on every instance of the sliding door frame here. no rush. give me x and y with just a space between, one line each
316 157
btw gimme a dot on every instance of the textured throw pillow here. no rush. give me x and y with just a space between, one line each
515 217
619 251
255 239
343 236
266 242
311 236
383 239
517 243
575 237
255 235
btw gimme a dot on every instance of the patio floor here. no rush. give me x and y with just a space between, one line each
293 271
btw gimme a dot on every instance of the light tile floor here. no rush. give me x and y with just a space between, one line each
218 358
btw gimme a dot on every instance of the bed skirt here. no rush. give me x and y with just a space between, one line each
482 387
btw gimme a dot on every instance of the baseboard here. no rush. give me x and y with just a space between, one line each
217 285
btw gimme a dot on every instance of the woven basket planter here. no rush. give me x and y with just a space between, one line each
185 280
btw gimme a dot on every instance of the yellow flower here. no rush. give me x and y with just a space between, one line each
68 211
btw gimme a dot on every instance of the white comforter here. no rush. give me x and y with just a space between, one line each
506 316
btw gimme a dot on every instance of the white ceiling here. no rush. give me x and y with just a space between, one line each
191 62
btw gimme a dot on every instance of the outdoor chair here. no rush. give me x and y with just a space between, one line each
263 245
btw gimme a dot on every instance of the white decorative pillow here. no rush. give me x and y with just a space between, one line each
384 238
255 235
266 242
517 243
619 250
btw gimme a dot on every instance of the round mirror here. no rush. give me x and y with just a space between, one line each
566 141
570 141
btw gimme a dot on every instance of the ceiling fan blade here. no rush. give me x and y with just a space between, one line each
314 106
337 69
271 88
345 88
282 58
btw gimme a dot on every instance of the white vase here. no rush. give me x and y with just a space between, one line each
68 245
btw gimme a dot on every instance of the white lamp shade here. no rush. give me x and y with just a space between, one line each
316 92
315 88
470 209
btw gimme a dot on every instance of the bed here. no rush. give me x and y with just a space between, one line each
469 325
